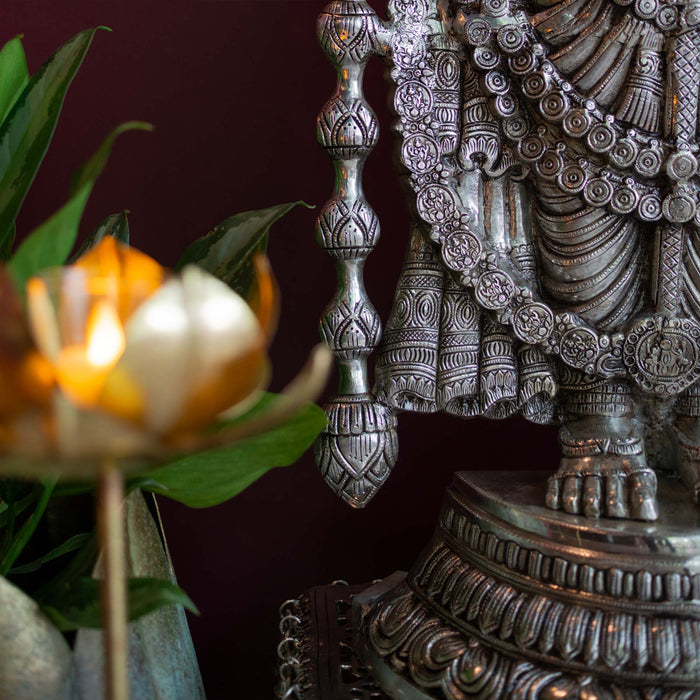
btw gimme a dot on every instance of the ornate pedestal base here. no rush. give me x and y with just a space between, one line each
512 600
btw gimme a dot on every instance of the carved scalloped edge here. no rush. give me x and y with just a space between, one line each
566 575
633 646
445 662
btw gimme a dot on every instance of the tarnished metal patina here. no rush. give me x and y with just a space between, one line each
553 271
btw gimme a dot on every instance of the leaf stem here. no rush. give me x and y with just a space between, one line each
27 530
19 506
9 533
110 524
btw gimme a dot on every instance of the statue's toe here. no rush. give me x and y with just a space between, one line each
592 496
642 487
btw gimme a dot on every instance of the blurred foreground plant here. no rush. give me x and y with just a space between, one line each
111 366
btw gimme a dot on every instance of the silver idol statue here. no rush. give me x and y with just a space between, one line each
550 148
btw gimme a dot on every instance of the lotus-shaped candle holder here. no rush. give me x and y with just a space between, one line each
117 364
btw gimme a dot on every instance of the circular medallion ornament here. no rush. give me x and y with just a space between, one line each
648 162
495 83
495 8
681 165
649 207
486 58
601 138
646 9
550 165
477 31
532 148
679 207
579 348
533 323
554 106
598 192
420 153
577 122
667 18
504 106
515 127
461 251
523 63
435 204
494 289
412 100
510 39
572 179
663 354
624 200
536 84
624 153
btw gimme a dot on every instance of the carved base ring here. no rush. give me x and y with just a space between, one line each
511 600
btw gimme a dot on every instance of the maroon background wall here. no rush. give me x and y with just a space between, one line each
233 88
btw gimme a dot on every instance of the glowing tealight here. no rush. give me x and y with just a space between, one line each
105 336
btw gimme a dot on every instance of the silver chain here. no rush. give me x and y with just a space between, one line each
288 651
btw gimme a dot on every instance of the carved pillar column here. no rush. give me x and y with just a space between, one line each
359 448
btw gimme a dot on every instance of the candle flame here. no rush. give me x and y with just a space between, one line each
105 335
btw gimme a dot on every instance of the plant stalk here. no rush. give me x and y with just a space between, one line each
110 522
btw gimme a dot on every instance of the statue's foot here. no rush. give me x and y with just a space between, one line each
688 437
603 476
613 487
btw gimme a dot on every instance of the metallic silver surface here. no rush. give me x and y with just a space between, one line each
510 600
359 448
554 259
553 271
316 656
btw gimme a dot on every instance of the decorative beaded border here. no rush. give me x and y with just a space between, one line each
497 288
571 576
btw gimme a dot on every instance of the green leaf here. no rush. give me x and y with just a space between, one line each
26 132
214 476
18 506
81 606
14 74
227 251
7 243
16 497
80 565
90 170
27 530
70 545
115 225
13 489
50 244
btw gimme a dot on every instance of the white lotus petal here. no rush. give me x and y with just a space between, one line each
181 337
223 324
159 355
